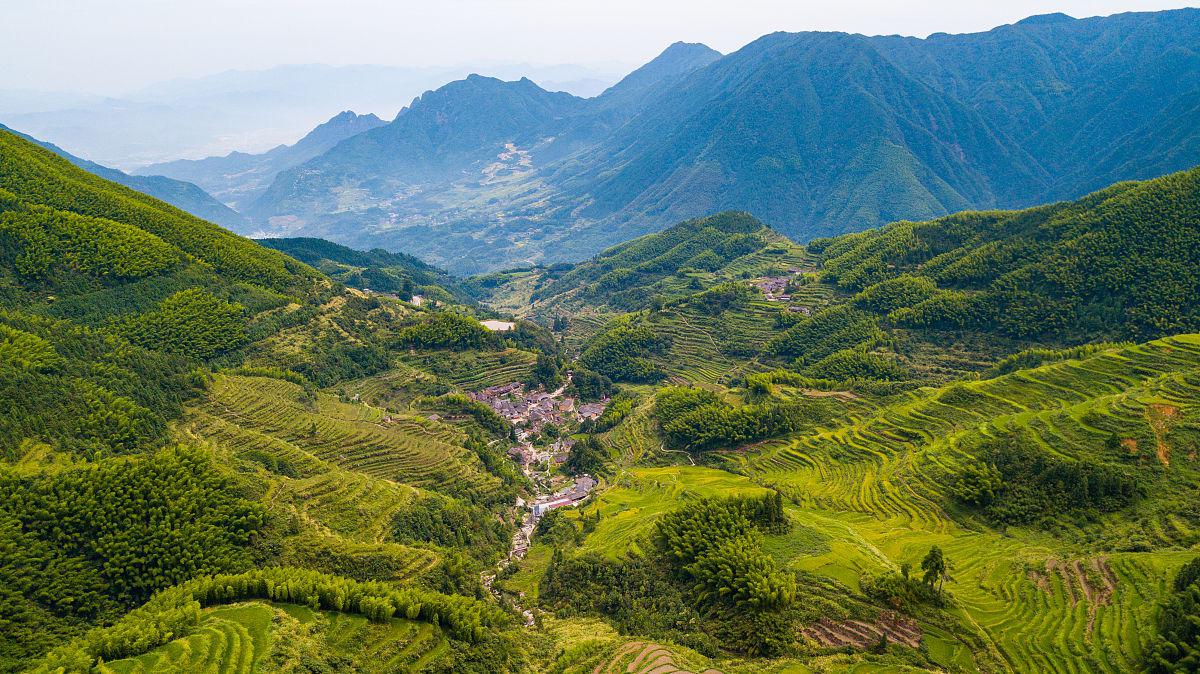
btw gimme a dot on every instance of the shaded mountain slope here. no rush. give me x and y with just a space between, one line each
815 133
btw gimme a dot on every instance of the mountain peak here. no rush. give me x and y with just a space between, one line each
342 125
675 61
692 49
1045 19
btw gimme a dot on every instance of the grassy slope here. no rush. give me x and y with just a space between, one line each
869 494
331 472
259 635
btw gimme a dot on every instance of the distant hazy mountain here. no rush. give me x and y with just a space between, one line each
472 138
239 177
814 133
180 194
247 111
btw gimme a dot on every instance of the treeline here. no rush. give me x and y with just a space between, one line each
1119 263
37 176
1013 481
1036 357
175 612
707 583
698 419
1175 649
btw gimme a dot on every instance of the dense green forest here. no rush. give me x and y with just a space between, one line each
133 340
377 270
968 444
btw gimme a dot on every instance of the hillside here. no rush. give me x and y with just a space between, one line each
175 407
690 256
903 305
1116 264
965 444
179 193
814 133
376 270
238 177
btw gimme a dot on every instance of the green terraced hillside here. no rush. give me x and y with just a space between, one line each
965 445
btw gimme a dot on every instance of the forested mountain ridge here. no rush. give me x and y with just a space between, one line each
376 270
177 192
814 133
1117 264
165 417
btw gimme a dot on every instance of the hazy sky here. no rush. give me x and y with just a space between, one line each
109 46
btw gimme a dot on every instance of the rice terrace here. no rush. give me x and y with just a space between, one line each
497 338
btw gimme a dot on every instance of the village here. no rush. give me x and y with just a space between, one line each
778 289
532 413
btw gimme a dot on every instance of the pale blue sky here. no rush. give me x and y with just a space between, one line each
113 46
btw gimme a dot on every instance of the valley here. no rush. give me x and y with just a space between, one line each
669 380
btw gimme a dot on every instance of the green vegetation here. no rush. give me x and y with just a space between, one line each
377 270
35 177
930 454
1111 265
697 419
446 330
84 542
705 250
189 323
622 352
1015 483
1176 648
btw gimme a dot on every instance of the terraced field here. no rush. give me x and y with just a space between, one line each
244 638
638 497
338 472
230 640
474 370
273 417
869 493
875 488
596 649
696 355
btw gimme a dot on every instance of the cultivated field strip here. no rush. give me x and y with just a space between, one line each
230 640
355 437
238 639
475 370
883 475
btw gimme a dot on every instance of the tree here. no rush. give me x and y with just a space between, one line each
545 373
935 569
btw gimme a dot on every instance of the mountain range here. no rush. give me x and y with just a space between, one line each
238 177
814 133
248 110
705 449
